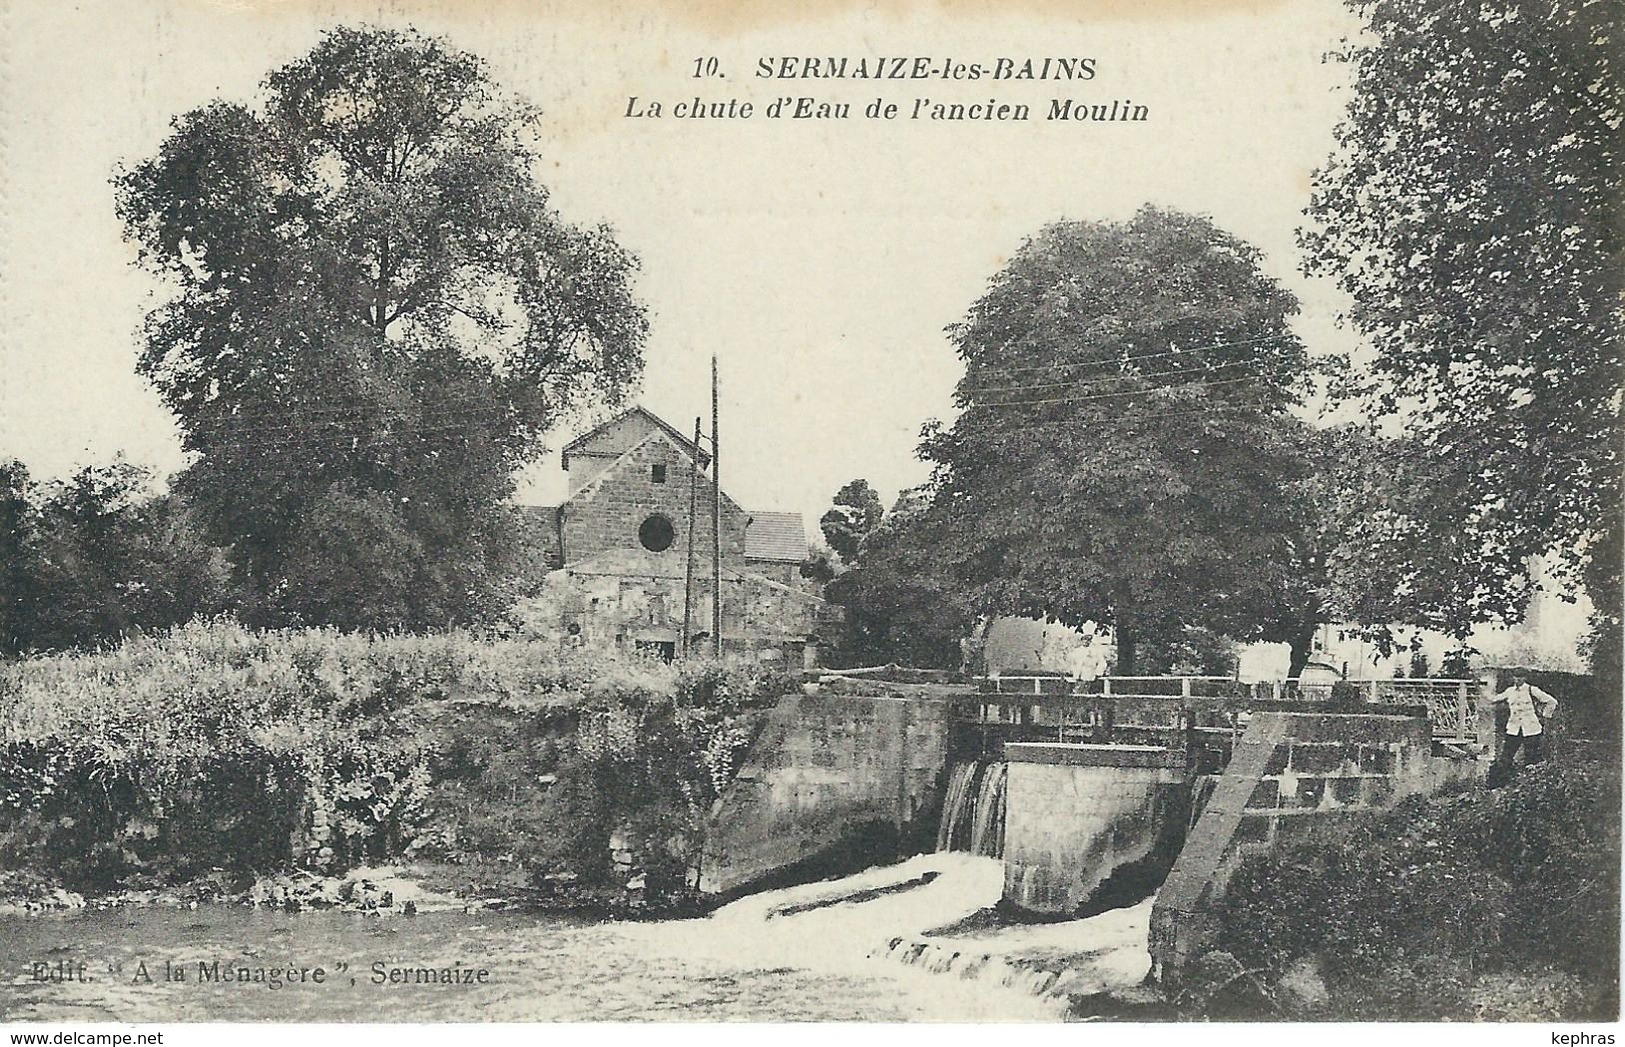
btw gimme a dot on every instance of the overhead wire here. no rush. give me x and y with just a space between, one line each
1105 379
457 411
1127 419
1119 393
1119 361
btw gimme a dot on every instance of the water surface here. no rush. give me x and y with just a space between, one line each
747 961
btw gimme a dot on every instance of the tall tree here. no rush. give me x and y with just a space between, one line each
1471 209
1124 444
856 511
16 533
1371 545
899 605
375 313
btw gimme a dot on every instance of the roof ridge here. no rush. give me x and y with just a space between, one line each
670 430
598 480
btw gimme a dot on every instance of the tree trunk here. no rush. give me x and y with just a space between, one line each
1125 655
380 318
1302 643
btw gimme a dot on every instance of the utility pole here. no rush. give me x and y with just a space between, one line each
716 521
688 581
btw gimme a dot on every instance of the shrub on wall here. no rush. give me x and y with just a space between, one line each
1425 902
645 767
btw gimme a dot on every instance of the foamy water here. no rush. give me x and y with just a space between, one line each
819 952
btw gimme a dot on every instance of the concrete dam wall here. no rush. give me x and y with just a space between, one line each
1081 826
1088 827
825 768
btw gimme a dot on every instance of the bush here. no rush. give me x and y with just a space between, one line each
1507 882
1358 895
214 745
648 767
1553 836
1345 697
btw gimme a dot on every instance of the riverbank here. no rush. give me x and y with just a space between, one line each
1474 905
391 890
211 749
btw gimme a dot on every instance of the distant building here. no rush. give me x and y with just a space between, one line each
619 545
1547 637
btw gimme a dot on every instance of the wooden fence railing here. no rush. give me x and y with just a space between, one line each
1453 705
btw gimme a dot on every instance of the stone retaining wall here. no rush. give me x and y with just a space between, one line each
824 769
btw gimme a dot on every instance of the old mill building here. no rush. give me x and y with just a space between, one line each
618 548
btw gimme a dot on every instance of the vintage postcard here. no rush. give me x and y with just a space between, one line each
934 511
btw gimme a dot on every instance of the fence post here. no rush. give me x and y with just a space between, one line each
1461 709
1184 686
1372 686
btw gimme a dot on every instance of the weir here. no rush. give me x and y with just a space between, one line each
1094 796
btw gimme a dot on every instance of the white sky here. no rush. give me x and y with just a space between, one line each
820 263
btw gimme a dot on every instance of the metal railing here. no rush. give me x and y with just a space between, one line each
1116 686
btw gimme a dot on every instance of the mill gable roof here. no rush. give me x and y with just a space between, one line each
615 467
601 441
769 536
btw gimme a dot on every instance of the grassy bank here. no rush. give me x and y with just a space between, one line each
217 747
1487 905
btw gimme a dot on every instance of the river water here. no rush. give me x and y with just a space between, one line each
812 953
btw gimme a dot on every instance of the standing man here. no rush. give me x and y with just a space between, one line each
1527 705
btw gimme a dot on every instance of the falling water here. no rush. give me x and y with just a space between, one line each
1101 959
987 823
973 810
956 804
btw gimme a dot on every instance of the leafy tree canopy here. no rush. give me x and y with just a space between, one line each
370 292
1471 210
1386 554
98 556
857 510
899 605
1124 441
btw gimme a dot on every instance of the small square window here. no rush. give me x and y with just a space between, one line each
657 473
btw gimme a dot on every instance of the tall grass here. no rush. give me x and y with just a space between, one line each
218 746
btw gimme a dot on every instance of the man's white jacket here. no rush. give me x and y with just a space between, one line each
1522 700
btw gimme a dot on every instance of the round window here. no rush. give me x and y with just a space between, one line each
657 534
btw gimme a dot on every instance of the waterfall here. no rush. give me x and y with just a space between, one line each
956 804
1100 961
987 824
973 809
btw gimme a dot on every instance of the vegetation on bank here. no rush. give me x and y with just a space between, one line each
218 747
1478 904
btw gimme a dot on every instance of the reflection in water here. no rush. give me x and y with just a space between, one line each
800 954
